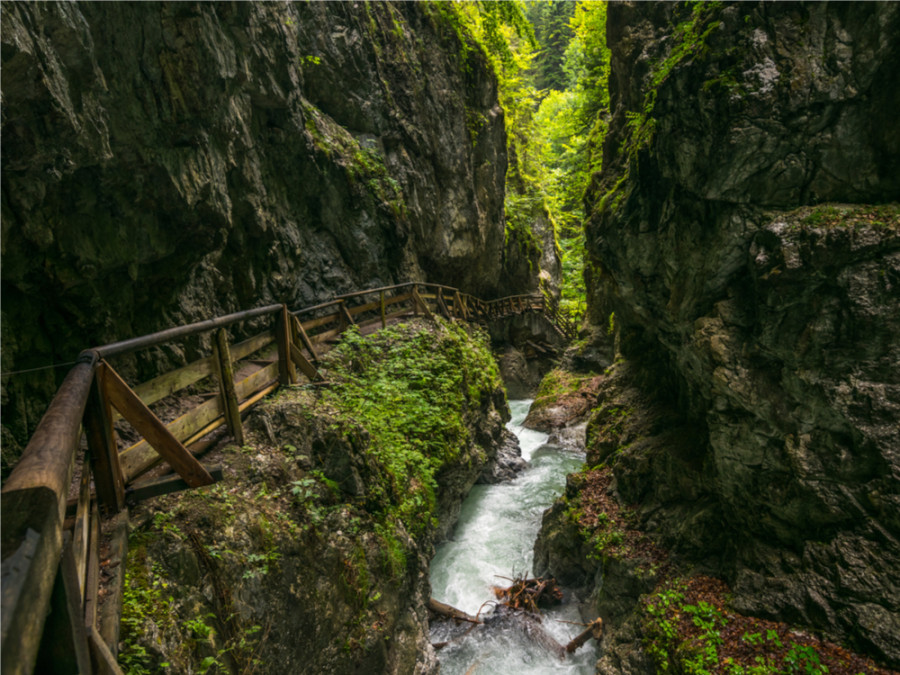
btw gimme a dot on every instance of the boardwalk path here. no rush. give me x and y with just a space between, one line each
100 435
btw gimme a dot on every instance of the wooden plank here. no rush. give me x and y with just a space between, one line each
167 384
244 349
102 444
153 430
111 609
255 381
442 306
304 338
92 581
381 309
327 335
321 321
406 297
164 485
346 318
420 304
81 530
209 428
359 309
287 374
258 396
103 656
30 564
308 369
140 457
226 387
64 644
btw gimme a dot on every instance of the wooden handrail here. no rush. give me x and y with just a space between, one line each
34 496
33 509
133 344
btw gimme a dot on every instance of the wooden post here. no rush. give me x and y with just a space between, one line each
383 319
111 611
102 444
286 372
226 387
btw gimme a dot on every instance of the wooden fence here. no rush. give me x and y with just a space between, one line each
78 473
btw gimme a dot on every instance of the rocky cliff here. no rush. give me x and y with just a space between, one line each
745 234
164 163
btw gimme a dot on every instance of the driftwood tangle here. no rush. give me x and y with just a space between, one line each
521 601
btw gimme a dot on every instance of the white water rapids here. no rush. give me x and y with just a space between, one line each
494 538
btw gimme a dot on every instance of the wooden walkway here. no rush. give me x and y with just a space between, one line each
59 497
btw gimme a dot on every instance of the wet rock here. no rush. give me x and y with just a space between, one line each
508 463
571 438
563 400
520 376
767 317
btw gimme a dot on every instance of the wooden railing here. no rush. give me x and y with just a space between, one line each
51 517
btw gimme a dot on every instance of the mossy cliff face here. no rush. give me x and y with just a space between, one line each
734 236
164 163
312 555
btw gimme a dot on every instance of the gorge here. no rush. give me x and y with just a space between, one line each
710 191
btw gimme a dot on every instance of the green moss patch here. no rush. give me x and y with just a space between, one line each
850 215
689 627
413 388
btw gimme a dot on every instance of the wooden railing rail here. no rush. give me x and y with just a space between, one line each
50 542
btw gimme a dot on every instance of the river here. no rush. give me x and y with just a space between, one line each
494 538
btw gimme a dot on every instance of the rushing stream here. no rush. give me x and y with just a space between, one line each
494 538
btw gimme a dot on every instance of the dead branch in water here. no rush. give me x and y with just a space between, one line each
521 600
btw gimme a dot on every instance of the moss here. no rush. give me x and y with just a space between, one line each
688 626
689 42
412 388
363 162
556 384
147 605
851 215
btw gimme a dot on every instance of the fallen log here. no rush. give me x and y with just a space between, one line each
520 607
594 630
443 609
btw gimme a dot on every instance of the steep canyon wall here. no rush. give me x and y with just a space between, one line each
165 163
745 233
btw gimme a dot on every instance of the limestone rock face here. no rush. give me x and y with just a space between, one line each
164 163
772 319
